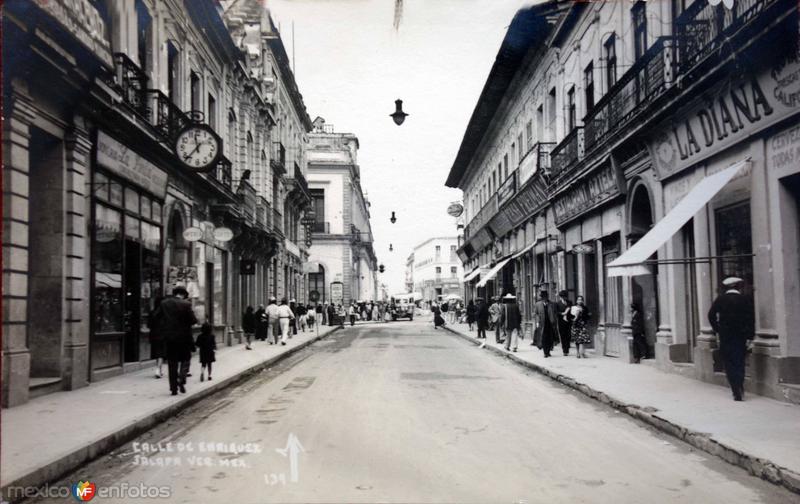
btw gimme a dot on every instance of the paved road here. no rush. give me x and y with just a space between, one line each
402 413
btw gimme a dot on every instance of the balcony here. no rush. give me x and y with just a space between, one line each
536 159
321 227
222 173
646 80
278 160
488 211
301 181
566 155
263 212
277 221
168 118
132 84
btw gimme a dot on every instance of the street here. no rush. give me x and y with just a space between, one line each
400 412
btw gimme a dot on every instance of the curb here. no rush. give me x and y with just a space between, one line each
758 467
57 469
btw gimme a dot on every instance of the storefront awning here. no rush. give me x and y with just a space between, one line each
492 272
524 251
474 273
633 261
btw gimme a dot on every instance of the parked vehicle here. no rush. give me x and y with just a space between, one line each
403 306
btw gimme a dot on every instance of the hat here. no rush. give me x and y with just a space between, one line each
509 296
272 298
293 300
180 289
731 281
563 293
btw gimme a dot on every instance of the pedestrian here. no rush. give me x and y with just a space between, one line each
156 340
174 319
731 317
580 333
341 315
444 310
352 312
472 314
322 313
546 333
495 312
564 325
331 314
273 321
285 315
438 320
293 320
512 321
262 323
301 314
248 326
207 344
375 312
483 318
637 329
311 316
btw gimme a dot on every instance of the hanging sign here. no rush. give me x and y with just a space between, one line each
223 234
455 209
582 248
192 234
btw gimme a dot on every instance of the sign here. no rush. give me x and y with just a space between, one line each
783 150
223 234
507 189
590 191
337 292
129 165
527 202
313 296
82 20
192 234
582 249
455 209
711 124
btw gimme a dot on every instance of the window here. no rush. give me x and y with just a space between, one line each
438 253
499 173
318 206
588 86
513 153
540 122
438 270
143 21
529 134
452 252
571 109
520 151
172 72
551 111
639 14
453 272
211 118
611 61
195 91
505 166
494 180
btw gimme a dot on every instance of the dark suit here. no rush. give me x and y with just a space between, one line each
175 318
563 325
483 319
546 325
511 318
731 317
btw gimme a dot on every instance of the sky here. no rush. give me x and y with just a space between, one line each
351 64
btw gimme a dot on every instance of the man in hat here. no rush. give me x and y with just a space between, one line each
512 321
483 318
273 321
562 306
174 318
546 323
731 317
495 312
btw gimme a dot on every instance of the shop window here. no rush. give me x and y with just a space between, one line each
734 239
107 270
611 61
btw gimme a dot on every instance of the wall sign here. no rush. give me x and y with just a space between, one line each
337 292
223 234
192 234
711 124
129 165
507 189
592 190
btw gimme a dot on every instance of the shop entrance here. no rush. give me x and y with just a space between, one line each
644 288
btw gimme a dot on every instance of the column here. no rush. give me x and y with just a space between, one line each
706 340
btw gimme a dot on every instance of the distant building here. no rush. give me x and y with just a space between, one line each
436 270
410 273
342 248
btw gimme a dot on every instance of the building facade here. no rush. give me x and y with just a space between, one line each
436 270
342 252
101 216
619 153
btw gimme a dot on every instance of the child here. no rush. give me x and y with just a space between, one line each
207 345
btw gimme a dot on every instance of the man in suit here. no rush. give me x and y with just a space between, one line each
483 318
175 318
546 323
511 320
731 317
495 311
563 321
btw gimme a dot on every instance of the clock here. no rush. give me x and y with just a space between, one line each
198 147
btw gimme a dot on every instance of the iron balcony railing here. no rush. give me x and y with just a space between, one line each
300 180
702 28
482 217
263 212
321 227
222 173
645 81
132 83
566 154
278 160
536 159
168 118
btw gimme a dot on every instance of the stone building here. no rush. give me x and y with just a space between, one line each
437 272
342 250
101 216
620 152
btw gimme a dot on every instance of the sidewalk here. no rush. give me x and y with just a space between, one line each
51 435
761 435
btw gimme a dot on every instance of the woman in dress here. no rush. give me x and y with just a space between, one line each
437 317
262 323
472 311
580 335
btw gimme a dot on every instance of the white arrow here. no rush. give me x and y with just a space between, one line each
293 447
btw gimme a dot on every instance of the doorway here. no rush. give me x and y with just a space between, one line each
644 288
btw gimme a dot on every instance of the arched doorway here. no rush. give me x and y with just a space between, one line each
178 246
644 288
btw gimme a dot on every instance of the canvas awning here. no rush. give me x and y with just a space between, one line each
633 261
492 272
474 273
524 250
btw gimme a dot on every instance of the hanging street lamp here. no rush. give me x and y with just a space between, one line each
399 116
393 219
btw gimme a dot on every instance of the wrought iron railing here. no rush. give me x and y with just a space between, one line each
300 180
263 212
703 28
168 118
222 173
132 83
278 160
645 81
482 217
567 153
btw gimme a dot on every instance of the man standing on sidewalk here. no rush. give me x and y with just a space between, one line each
562 306
731 316
174 319
512 321
285 315
273 321
483 318
494 317
546 323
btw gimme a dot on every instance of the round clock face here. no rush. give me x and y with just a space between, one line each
197 147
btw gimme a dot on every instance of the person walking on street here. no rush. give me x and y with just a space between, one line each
637 329
544 313
341 314
285 315
438 320
472 314
580 334
248 326
512 321
174 319
273 321
483 318
207 344
262 323
157 341
331 314
562 309
301 313
293 321
731 317
352 312
311 317
494 318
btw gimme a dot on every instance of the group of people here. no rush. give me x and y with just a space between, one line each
276 321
